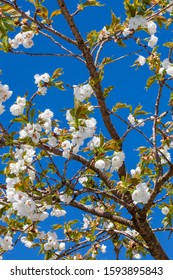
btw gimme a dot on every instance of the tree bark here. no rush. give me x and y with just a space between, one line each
154 246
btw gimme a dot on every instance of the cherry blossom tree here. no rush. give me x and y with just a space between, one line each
50 167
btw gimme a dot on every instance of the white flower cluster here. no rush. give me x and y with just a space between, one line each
52 242
134 121
116 163
104 34
165 155
136 22
83 92
58 212
153 41
167 66
117 160
18 108
6 243
65 198
86 222
45 120
32 131
152 29
26 242
135 171
84 131
22 203
141 194
131 232
94 143
24 155
22 38
42 81
5 94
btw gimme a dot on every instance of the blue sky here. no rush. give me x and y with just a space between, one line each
19 70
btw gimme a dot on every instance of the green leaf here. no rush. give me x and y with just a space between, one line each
137 109
59 85
106 60
57 73
131 10
55 13
32 114
150 81
42 12
171 99
115 20
73 222
56 226
121 43
121 105
92 3
92 37
102 139
107 90
5 44
168 44
22 119
112 145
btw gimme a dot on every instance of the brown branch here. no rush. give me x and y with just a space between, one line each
106 215
161 181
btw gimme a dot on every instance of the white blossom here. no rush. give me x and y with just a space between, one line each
52 141
65 198
141 60
169 71
152 27
86 222
103 248
137 256
21 101
104 34
16 110
82 92
26 242
83 180
165 155
58 212
135 171
61 246
6 243
135 22
2 109
94 143
117 160
100 164
141 194
165 210
153 41
126 32
131 119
